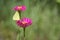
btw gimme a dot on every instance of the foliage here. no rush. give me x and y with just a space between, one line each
45 15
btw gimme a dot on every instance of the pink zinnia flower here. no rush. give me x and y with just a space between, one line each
19 8
25 22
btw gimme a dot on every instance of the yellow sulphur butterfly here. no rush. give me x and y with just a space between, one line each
16 16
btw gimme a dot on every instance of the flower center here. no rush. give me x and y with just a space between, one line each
24 22
19 7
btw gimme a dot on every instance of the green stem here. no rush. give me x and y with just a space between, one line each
24 33
23 28
19 14
18 37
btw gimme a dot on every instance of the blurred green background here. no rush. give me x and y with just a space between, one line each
45 15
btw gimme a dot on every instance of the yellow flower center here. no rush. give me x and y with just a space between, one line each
24 22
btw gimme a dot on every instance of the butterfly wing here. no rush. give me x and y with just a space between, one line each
16 16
